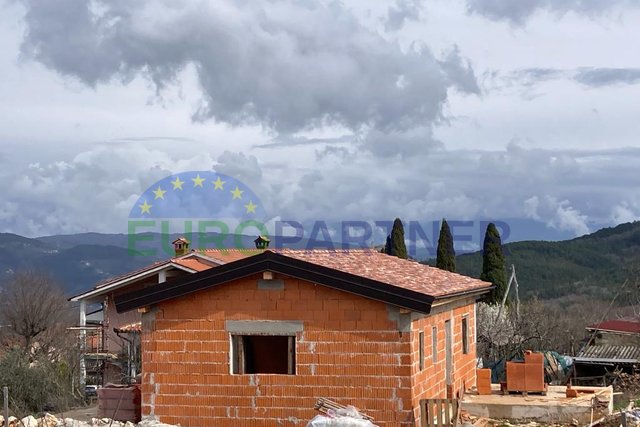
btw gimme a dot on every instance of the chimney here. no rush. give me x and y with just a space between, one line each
262 242
181 246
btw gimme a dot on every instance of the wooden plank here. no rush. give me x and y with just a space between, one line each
447 414
423 413
439 409
430 413
456 411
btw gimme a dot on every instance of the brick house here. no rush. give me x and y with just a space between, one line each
258 340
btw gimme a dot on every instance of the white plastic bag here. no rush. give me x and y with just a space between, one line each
339 421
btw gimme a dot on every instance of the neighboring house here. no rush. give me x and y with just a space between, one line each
257 341
616 332
111 343
612 345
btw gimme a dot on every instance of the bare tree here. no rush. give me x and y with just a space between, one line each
40 357
34 312
542 325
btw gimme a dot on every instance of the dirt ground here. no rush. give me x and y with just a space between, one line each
82 414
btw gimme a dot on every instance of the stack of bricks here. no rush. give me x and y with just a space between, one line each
483 381
527 376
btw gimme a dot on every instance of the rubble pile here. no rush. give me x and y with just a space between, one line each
49 420
629 383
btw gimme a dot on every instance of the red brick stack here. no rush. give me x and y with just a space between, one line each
527 376
483 381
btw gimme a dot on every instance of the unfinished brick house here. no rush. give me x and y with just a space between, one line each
258 340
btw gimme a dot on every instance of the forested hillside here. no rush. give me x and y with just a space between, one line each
594 264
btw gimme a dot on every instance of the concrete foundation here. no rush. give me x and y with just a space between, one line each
555 407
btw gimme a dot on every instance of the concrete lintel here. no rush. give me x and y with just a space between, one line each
271 284
264 327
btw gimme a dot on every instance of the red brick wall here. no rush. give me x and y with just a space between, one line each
349 351
430 382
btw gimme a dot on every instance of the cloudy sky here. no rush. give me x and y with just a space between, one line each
423 109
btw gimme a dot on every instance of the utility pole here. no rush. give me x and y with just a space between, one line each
513 280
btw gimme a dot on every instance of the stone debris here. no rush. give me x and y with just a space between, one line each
49 420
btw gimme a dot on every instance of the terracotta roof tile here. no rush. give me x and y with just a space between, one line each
230 255
390 269
192 263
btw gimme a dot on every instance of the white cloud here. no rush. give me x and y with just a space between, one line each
624 213
558 214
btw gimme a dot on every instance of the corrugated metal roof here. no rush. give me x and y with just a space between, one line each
609 354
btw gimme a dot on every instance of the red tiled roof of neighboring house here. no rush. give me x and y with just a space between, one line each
192 263
191 260
389 269
618 325
109 280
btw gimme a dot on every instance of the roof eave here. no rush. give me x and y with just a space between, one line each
476 292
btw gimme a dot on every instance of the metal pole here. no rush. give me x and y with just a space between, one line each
83 344
5 391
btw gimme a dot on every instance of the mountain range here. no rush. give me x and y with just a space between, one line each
594 264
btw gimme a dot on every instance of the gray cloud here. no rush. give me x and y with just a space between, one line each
597 77
518 11
287 66
459 72
527 79
401 12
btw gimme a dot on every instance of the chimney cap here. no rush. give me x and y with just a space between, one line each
262 242
180 246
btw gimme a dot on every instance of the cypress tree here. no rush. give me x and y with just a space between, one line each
395 241
387 245
446 255
493 268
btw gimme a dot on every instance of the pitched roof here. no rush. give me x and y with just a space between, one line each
364 272
389 269
629 326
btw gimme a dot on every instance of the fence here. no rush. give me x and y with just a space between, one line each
439 412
